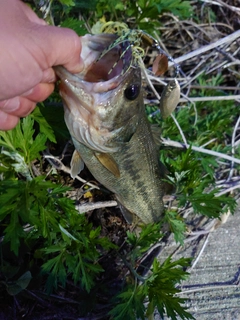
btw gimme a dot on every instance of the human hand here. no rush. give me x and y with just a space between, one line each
29 48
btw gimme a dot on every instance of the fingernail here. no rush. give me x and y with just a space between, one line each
79 68
10 105
27 93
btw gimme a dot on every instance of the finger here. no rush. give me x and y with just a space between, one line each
49 76
40 92
31 14
23 105
61 46
13 109
7 121
17 106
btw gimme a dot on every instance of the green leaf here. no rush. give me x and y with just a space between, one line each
20 140
77 25
18 163
67 235
20 284
45 128
129 304
38 145
179 8
67 2
210 205
149 235
24 280
161 287
177 225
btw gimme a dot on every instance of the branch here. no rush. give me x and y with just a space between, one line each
199 149
97 205
203 49
214 98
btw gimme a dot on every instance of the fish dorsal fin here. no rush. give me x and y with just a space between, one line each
76 164
170 98
108 162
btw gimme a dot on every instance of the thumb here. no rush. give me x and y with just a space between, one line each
60 46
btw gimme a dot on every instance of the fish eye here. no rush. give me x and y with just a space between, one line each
132 91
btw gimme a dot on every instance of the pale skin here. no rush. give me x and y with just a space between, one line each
29 49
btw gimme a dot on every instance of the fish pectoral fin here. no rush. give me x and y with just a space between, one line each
76 164
108 162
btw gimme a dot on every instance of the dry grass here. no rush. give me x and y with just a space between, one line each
209 48
199 47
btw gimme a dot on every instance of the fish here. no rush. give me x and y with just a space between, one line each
105 115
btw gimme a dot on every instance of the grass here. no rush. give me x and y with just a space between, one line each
58 257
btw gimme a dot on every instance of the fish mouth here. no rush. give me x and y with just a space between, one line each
89 97
110 57
106 62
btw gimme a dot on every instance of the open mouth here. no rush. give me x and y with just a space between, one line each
106 58
90 96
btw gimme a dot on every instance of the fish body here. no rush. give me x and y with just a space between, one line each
139 189
105 114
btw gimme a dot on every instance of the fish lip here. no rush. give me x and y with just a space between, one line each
106 64
71 80
89 101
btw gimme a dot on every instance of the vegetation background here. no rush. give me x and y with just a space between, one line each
57 262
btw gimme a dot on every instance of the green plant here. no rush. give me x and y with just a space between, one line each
28 200
41 225
142 294
146 13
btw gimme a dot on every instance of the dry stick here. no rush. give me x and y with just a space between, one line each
191 25
217 66
236 143
200 253
203 49
199 149
180 129
227 190
193 78
207 288
214 98
213 153
62 167
221 3
97 205
148 78
193 86
223 183
233 148
208 142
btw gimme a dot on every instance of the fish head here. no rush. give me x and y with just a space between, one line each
104 102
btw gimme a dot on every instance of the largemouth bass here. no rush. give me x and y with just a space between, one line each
105 115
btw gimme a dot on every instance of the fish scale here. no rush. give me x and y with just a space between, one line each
140 188
105 115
